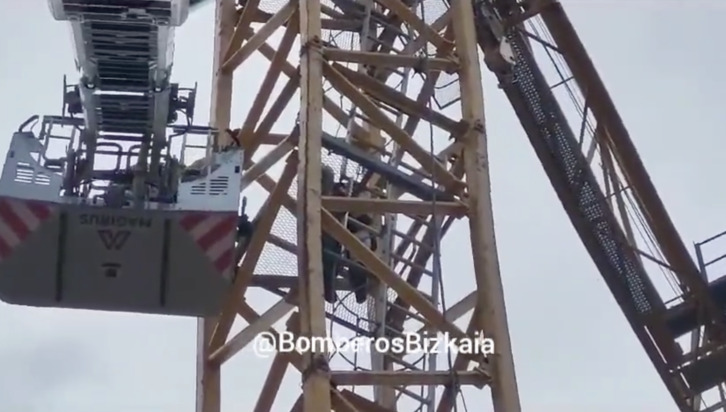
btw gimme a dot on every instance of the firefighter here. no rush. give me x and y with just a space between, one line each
117 195
244 234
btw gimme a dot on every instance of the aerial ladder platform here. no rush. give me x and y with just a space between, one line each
97 207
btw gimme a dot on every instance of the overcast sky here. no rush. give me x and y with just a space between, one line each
573 349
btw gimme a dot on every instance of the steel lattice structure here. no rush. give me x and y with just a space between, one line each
404 43
376 91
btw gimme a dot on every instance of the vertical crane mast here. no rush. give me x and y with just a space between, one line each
448 184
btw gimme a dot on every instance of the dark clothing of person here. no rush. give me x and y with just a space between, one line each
331 251
358 275
244 234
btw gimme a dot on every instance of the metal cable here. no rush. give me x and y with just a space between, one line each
436 258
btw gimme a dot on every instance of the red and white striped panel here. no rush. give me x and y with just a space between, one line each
215 235
18 219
